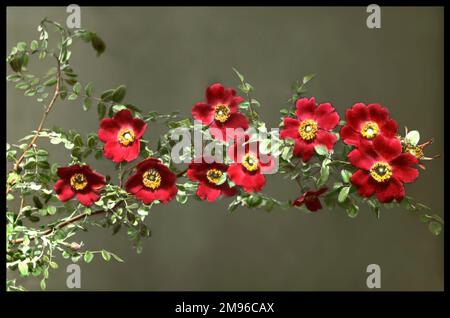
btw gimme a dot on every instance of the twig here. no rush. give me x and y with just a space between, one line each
68 222
44 117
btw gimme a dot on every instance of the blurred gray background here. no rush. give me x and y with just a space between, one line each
168 56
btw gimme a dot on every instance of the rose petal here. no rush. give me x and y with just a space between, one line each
401 167
326 116
305 108
357 115
290 129
203 112
63 190
215 94
378 113
390 190
362 180
108 130
205 192
388 148
349 135
326 139
87 198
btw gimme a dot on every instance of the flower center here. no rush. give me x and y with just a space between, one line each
416 151
214 175
126 136
151 179
308 129
250 162
78 181
222 113
370 130
381 171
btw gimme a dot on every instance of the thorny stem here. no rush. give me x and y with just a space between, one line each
68 222
42 122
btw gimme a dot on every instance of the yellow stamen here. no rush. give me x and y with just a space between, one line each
214 175
222 113
151 179
416 151
370 130
126 136
308 129
250 162
78 181
381 171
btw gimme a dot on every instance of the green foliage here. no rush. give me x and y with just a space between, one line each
40 227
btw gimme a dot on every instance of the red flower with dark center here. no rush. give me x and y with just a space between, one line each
80 181
152 181
210 176
310 199
121 135
383 169
312 127
366 123
249 165
220 111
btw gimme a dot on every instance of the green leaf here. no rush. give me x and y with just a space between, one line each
352 210
88 257
51 209
118 108
321 150
30 92
23 268
106 255
72 96
307 78
43 284
106 96
21 46
37 202
324 172
87 104
222 178
77 88
97 44
117 258
412 137
89 89
34 45
241 77
101 110
53 265
435 227
181 197
50 82
346 175
119 93
13 77
23 85
343 194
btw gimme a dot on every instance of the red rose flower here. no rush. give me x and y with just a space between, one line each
121 135
383 169
310 199
249 165
365 123
220 111
152 181
312 127
80 181
209 175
